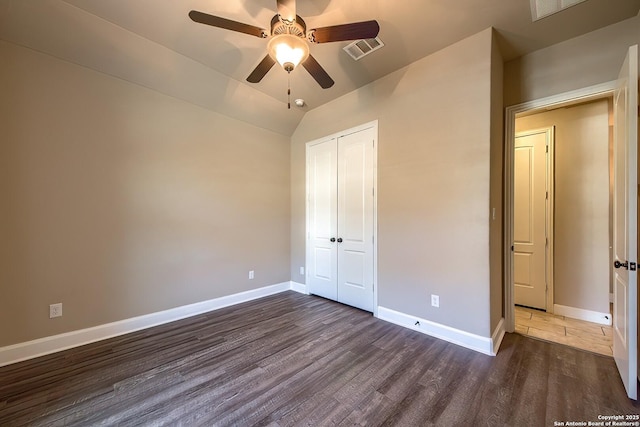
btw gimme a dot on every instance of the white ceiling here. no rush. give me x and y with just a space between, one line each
153 43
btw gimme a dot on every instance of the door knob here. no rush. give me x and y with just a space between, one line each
339 239
333 239
618 264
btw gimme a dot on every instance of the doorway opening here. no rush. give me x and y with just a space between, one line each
558 230
624 92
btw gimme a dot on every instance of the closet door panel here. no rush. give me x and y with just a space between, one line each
355 219
322 222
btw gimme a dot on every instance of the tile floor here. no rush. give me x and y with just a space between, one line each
564 330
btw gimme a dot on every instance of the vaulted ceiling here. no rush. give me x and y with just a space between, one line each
153 43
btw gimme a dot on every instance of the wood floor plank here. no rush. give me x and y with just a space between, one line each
291 359
319 385
529 397
496 394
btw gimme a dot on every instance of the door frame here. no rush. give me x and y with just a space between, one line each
369 125
548 209
603 90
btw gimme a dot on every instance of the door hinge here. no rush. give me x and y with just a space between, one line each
547 149
632 266
547 196
511 248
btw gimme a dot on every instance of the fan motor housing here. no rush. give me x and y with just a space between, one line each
297 28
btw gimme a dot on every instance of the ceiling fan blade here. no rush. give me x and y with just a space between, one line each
261 70
338 33
227 24
317 72
287 10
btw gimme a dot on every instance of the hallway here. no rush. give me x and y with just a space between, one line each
564 330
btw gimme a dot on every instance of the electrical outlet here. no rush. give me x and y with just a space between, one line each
55 310
435 301
251 275
302 271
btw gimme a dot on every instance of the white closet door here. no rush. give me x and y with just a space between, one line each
322 274
355 219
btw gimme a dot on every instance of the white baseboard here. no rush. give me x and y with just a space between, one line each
581 314
465 339
299 287
40 347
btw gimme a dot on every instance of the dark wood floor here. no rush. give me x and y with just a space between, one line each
292 359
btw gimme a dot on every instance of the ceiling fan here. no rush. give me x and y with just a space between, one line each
289 38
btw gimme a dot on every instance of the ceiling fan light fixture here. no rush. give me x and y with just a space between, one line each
288 50
288 43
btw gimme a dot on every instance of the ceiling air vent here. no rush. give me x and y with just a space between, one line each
360 48
543 8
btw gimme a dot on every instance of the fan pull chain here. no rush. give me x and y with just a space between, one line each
289 91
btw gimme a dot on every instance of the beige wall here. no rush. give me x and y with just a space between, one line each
496 243
584 61
433 181
581 218
118 201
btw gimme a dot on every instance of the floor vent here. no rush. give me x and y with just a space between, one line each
543 8
360 48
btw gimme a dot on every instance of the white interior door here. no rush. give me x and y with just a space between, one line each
529 229
322 261
355 219
625 204
340 249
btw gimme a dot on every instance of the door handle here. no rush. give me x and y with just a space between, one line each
627 265
333 239
618 264
339 239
